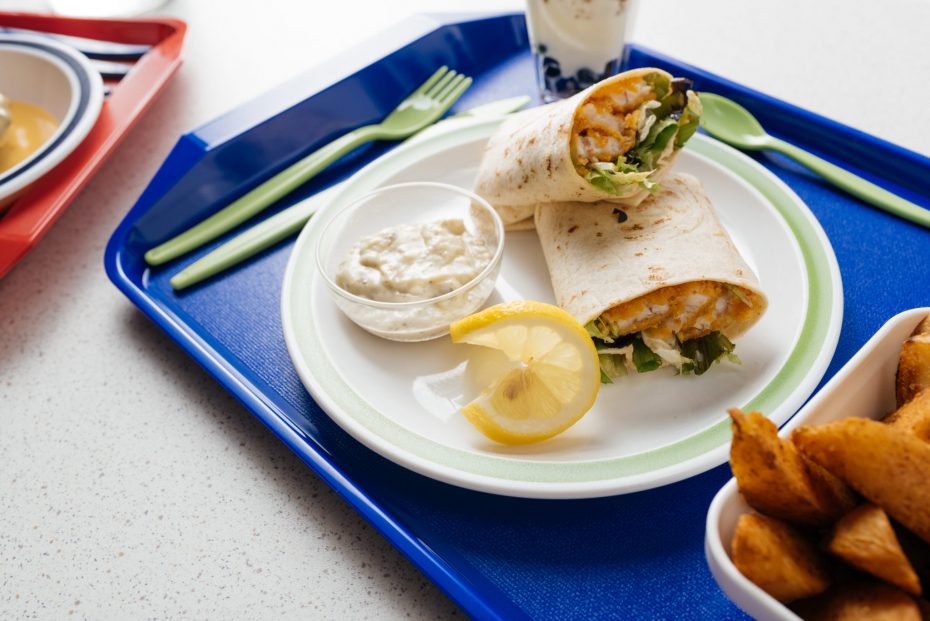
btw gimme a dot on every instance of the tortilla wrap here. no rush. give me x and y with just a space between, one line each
543 154
669 270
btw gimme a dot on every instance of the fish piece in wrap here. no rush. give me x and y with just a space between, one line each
611 141
657 284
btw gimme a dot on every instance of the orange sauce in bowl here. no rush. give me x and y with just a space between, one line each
30 127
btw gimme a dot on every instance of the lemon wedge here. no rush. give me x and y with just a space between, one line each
551 377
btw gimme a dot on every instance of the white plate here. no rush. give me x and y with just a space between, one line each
863 388
401 400
60 80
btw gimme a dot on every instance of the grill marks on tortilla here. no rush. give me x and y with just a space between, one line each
543 138
669 271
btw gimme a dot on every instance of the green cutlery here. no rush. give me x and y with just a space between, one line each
289 221
728 121
421 108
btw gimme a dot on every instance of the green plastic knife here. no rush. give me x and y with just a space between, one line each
289 221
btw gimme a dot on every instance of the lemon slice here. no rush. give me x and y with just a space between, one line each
551 377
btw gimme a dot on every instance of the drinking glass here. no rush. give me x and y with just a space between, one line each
577 42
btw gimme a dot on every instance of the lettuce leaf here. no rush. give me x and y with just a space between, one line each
673 115
606 177
689 120
660 84
646 154
672 99
706 350
597 330
644 359
668 352
612 365
617 354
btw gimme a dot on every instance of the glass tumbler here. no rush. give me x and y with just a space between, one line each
577 42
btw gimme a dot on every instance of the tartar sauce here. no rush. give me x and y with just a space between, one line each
413 262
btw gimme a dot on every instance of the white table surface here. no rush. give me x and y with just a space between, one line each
133 486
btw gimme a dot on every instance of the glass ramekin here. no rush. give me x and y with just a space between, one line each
410 203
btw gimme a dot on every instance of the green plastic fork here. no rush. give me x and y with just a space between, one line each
420 109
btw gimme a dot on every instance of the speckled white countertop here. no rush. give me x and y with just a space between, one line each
133 486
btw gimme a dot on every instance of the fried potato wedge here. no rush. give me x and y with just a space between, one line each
865 539
775 479
924 607
913 416
888 466
917 552
859 601
914 364
778 558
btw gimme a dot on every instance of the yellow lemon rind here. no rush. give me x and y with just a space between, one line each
459 330
491 429
464 331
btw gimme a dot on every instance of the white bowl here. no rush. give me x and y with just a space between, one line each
863 388
59 79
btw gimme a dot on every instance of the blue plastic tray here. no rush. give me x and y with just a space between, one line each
634 556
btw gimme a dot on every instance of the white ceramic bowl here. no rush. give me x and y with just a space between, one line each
410 203
59 79
863 388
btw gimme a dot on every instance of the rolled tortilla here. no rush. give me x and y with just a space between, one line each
611 141
665 270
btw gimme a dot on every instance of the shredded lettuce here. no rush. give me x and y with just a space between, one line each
645 155
612 365
706 350
660 84
668 352
689 120
597 329
606 177
671 100
618 355
646 121
612 352
665 123
644 359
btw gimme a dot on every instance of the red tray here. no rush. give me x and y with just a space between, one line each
45 200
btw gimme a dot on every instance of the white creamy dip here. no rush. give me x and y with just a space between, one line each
414 262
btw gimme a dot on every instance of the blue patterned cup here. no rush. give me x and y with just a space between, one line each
577 42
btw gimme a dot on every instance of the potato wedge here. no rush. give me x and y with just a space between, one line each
778 558
775 479
888 466
859 601
865 539
913 416
924 607
914 364
917 552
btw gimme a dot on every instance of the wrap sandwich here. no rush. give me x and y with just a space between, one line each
656 284
612 141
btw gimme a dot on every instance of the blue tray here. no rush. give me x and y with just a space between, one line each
633 556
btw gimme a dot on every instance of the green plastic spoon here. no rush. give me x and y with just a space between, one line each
728 121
